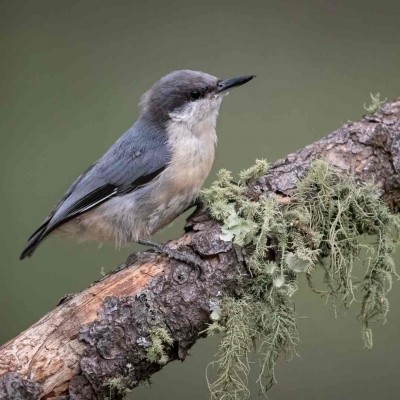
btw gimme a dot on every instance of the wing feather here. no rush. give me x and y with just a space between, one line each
134 160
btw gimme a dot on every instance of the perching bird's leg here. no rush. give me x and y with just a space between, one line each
189 259
198 203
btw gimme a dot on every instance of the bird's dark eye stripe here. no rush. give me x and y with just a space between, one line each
196 94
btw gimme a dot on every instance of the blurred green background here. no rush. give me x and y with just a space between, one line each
71 76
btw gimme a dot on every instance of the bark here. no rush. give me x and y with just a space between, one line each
103 332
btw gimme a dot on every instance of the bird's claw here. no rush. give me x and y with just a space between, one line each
192 260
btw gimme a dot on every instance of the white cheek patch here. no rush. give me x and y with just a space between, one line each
196 111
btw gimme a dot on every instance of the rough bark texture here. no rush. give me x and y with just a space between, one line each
103 332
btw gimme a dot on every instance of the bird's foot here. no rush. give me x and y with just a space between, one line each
189 259
199 203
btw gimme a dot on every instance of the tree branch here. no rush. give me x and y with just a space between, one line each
104 332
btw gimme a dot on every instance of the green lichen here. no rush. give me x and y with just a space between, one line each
160 340
376 103
116 388
352 222
252 173
237 326
331 222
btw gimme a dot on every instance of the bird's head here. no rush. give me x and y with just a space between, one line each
187 96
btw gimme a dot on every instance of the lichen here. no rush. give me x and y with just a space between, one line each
237 325
331 222
160 340
115 388
154 350
376 103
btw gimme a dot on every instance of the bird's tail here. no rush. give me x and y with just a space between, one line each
34 241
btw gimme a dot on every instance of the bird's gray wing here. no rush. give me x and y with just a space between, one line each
134 160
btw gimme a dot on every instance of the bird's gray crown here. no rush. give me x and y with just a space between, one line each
175 90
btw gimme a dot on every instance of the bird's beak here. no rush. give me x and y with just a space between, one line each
234 82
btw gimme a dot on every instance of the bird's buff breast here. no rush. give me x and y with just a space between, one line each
192 157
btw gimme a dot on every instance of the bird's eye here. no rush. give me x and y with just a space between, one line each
195 95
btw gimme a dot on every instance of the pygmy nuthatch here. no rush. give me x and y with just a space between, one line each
152 173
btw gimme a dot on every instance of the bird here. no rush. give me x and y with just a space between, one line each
152 173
